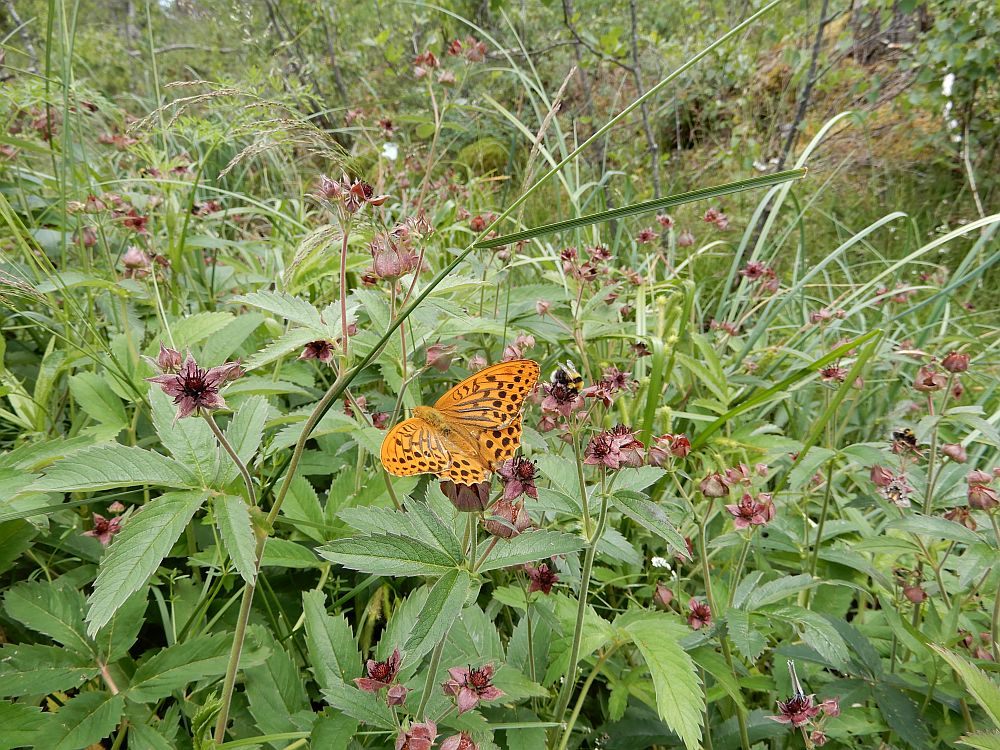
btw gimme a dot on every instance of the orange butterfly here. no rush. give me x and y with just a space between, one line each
471 428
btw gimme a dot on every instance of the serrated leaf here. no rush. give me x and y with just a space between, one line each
981 740
530 547
144 737
245 432
749 641
275 690
650 516
333 731
84 720
436 529
333 655
96 398
137 550
983 688
176 666
190 441
286 306
232 518
817 632
222 346
387 555
679 698
443 605
103 467
303 510
283 345
195 328
28 669
938 528
284 553
778 589
638 479
364 707
22 724
902 715
54 609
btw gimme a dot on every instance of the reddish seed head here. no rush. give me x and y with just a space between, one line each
956 362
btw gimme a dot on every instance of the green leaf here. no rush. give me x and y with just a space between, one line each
645 206
938 528
196 328
387 555
333 731
137 550
679 698
27 669
116 638
84 720
749 641
176 666
54 609
902 715
817 632
357 704
981 740
275 690
103 467
650 516
96 398
638 479
22 724
983 688
225 343
595 634
189 440
144 737
302 509
443 605
245 432
436 529
283 553
529 547
285 306
778 589
333 655
233 520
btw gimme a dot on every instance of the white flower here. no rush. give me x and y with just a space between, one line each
660 562
947 84
390 151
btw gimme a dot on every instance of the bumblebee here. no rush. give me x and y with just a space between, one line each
904 441
568 377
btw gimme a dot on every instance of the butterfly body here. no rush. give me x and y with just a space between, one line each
468 431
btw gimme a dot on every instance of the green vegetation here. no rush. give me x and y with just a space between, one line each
749 248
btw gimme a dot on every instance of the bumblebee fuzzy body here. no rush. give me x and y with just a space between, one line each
567 376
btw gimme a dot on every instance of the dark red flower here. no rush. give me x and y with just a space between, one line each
645 236
666 447
320 349
542 578
752 511
194 389
929 380
631 449
470 686
381 674
797 711
417 737
833 373
104 528
561 399
459 742
700 615
518 477
961 515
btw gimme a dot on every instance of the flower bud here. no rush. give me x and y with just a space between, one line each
929 380
439 356
468 498
662 596
714 485
915 594
956 362
978 476
881 476
955 452
982 497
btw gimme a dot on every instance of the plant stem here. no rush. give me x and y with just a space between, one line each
224 442
584 689
739 569
431 671
234 659
345 225
588 563
822 520
584 502
995 620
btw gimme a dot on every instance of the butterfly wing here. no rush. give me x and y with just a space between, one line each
414 447
491 398
500 444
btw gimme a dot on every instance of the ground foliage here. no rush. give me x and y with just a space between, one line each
756 504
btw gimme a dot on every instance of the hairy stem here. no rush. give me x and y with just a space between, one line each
227 446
